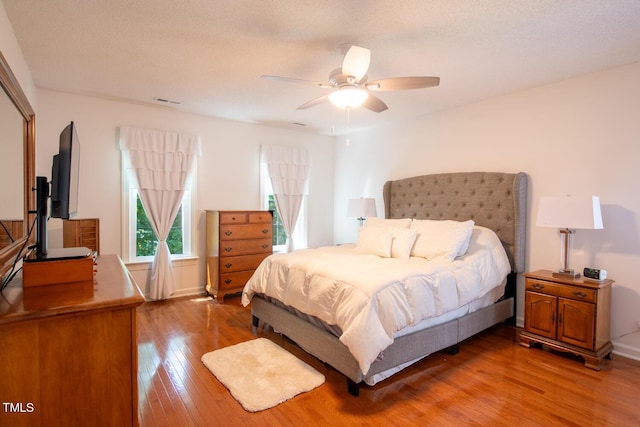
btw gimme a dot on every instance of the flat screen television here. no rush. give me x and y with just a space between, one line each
63 189
65 174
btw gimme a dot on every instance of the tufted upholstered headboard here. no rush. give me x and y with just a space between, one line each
492 199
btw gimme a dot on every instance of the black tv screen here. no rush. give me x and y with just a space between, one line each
65 174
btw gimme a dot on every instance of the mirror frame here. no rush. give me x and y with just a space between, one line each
11 86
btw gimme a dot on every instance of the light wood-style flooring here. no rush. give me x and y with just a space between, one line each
491 381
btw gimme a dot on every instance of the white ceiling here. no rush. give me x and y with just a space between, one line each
209 54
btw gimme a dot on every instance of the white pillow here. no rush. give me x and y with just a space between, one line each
448 239
403 240
375 241
385 222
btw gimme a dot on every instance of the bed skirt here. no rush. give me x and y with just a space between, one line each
328 348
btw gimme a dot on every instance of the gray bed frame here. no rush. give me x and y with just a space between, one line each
492 199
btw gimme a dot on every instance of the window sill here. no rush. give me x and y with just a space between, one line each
145 264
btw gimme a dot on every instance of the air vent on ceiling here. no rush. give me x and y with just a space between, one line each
166 101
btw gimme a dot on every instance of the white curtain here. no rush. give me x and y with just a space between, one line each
159 165
288 169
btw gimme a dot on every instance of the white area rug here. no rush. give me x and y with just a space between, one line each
260 374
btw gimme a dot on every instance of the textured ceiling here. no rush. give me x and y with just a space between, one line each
209 55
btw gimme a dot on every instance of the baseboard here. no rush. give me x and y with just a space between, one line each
628 346
181 293
197 290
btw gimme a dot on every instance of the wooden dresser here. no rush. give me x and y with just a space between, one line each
81 232
237 241
15 229
571 315
68 352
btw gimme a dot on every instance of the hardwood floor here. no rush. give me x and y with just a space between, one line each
491 381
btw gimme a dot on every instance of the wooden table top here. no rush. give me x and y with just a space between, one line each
112 286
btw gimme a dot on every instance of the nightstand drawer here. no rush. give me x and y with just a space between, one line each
565 291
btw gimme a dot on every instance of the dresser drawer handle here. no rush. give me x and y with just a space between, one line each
228 233
538 287
265 246
265 231
228 249
228 265
228 281
579 294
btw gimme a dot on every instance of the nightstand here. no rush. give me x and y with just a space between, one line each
568 315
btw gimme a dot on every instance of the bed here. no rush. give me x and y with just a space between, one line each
490 206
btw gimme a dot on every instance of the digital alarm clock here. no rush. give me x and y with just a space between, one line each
594 273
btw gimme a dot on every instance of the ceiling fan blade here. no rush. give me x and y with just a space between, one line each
403 83
356 62
294 80
313 102
375 104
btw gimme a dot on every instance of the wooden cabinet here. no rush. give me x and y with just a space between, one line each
237 241
69 353
568 315
10 230
81 232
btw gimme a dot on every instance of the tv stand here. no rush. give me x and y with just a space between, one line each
62 265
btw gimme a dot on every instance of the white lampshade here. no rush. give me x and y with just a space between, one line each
570 212
348 97
362 207
567 214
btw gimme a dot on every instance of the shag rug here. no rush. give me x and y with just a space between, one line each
260 374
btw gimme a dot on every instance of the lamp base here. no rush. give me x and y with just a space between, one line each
565 274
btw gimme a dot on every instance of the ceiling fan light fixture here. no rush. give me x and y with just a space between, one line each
348 97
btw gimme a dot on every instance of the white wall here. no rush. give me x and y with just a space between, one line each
13 55
579 136
228 171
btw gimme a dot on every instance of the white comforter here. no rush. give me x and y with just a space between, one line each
370 298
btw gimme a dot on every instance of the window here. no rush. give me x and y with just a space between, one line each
139 240
146 240
279 233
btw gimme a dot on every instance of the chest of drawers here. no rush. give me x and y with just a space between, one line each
81 232
237 241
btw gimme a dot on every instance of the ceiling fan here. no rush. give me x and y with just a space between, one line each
351 88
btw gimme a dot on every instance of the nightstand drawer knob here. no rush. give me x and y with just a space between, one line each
228 249
265 231
228 281
538 286
228 265
579 294
228 233
265 246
